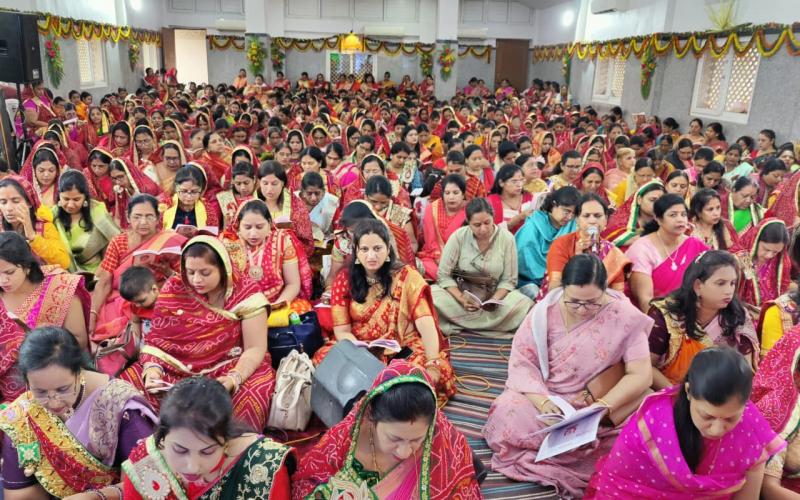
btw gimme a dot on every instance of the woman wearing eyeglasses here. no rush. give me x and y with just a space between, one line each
145 238
564 346
68 434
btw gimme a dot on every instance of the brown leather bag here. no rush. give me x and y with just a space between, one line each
599 386
481 285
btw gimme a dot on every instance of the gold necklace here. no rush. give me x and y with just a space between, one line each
374 456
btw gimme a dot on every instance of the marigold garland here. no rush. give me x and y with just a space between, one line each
479 51
256 53
77 29
446 59
225 42
717 44
55 64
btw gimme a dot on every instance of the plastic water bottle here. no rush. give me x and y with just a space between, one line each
294 319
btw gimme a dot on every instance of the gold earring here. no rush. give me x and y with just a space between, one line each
357 262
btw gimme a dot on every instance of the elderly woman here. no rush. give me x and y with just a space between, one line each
569 340
479 264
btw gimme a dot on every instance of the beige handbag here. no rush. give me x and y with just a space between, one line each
291 403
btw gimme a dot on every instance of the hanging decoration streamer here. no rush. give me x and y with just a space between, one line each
648 69
717 44
55 63
566 68
77 29
370 45
225 42
134 51
479 51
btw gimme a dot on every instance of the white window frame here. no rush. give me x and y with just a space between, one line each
352 69
93 84
720 113
607 97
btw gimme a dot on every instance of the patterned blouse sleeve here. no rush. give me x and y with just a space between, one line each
340 300
289 252
111 259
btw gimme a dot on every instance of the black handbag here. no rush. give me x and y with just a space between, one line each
304 338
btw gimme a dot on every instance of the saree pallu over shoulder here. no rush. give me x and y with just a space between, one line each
681 349
647 462
46 448
252 475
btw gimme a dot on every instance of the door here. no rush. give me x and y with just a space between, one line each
168 47
512 60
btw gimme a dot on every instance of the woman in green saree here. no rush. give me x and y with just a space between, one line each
84 225
200 452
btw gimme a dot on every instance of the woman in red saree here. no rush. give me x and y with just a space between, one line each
775 394
440 468
215 159
97 127
397 306
97 175
287 210
38 110
128 182
210 321
787 202
626 224
144 237
118 142
442 218
511 204
663 253
145 154
765 262
272 257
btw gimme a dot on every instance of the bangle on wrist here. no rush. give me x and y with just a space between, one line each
152 366
92 312
100 494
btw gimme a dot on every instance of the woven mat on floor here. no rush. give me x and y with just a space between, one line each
478 360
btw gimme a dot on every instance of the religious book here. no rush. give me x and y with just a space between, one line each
485 304
190 231
386 344
572 428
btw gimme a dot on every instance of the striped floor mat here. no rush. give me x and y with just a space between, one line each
478 360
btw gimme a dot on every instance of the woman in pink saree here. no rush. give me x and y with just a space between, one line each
573 335
663 253
701 439
442 218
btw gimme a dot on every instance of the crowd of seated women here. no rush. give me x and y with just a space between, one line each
647 270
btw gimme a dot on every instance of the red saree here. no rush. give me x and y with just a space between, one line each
294 216
140 183
101 188
765 282
393 318
437 227
775 394
443 472
787 203
189 337
44 113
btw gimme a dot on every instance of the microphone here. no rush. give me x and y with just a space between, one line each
593 234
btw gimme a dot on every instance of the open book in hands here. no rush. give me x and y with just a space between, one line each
385 344
147 256
484 304
571 429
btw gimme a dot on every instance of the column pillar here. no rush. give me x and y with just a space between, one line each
446 34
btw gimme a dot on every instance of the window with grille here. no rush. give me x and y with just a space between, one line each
91 63
150 56
609 76
358 64
724 87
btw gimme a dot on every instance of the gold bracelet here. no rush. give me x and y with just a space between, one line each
603 401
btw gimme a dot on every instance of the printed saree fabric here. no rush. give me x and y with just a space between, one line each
775 393
190 337
766 281
623 225
254 474
437 226
47 305
614 260
66 461
646 460
393 318
441 470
